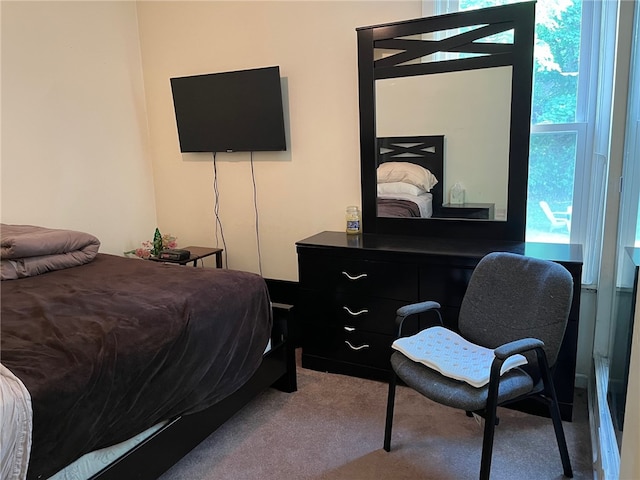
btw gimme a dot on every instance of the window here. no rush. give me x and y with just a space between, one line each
565 201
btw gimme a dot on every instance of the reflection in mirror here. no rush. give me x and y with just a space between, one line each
471 109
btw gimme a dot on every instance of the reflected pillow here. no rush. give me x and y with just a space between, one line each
399 187
408 173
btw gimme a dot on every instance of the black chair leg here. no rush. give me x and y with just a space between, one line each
390 403
562 442
490 419
487 439
554 410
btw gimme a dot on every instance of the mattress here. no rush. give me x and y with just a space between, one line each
93 462
111 348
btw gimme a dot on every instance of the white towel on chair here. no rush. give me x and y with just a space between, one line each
453 356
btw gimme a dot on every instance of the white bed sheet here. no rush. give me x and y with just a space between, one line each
92 462
16 426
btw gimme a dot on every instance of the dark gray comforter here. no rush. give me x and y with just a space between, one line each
110 348
395 207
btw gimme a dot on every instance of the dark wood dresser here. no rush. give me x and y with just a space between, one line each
352 285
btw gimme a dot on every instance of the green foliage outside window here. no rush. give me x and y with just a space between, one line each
555 99
557 60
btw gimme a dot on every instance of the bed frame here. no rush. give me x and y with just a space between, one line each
167 446
424 150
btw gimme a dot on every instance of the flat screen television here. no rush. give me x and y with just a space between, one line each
238 111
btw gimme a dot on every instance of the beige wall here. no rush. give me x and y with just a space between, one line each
299 192
74 134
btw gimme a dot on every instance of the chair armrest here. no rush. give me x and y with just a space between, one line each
517 346
403 312
520 346
417 308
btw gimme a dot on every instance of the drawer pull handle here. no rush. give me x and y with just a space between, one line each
350 329
356 348
355 314
357 277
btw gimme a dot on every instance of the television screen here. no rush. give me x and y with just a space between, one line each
237 111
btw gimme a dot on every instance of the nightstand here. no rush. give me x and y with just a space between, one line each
196 254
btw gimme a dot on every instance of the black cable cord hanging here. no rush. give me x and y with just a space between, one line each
255 207
216 211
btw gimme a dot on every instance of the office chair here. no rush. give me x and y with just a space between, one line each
516 307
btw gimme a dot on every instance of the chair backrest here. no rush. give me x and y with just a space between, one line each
511 296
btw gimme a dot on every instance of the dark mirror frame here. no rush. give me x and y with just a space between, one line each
520 18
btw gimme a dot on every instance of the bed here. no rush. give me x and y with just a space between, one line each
108 347
409 176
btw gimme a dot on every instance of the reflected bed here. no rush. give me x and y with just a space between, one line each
409 176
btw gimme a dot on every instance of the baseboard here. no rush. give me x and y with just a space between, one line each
582 381
606 456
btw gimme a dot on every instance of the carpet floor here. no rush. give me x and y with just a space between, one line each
333 426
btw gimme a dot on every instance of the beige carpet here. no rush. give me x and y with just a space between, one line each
333 428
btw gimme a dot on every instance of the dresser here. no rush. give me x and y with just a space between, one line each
352 285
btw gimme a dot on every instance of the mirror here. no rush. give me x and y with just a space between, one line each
465 77
474 112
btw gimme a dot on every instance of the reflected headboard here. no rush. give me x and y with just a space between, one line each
425 150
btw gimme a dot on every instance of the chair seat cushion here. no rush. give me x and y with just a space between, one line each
453 356
456 393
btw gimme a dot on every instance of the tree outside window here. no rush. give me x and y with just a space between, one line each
556 132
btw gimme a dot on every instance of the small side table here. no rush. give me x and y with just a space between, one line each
196 254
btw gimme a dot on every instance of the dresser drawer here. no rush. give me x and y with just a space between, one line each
357 347
371 314
379 279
